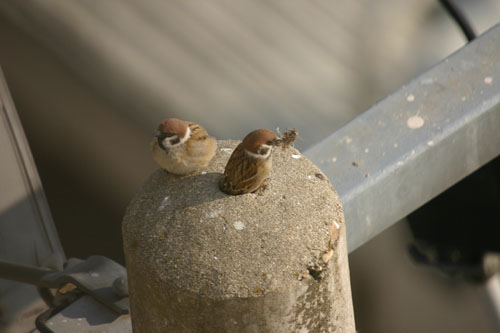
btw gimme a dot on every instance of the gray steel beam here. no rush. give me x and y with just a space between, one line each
417 142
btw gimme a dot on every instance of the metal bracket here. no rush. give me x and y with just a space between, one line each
98 276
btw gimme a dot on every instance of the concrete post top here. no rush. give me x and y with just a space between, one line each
192 236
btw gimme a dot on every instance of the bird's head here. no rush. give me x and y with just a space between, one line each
259 143
172 132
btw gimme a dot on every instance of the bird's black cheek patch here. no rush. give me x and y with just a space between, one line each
263 151
175 141
160 143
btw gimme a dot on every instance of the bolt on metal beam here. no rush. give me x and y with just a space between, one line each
417 142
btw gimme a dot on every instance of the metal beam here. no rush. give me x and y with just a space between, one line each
417 142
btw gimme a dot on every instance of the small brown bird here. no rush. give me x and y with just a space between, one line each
181 147
250 163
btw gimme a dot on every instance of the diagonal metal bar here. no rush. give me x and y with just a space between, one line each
418 141
24 273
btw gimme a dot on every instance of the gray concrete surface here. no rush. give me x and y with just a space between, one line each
270 261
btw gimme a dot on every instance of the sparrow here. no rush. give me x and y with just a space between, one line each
182 147
250 163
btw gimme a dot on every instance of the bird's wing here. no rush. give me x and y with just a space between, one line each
197 132
201 146
240 175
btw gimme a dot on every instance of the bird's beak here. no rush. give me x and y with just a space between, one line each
276 142
157 133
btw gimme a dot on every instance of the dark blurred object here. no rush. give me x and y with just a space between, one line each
459 231
459 17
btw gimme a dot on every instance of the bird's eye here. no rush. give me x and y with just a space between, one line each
169 135
269 143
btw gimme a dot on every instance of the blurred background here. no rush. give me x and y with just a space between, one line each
92 79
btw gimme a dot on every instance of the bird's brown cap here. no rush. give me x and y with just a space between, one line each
255 139
173 126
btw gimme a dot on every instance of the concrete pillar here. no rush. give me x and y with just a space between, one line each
199 260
